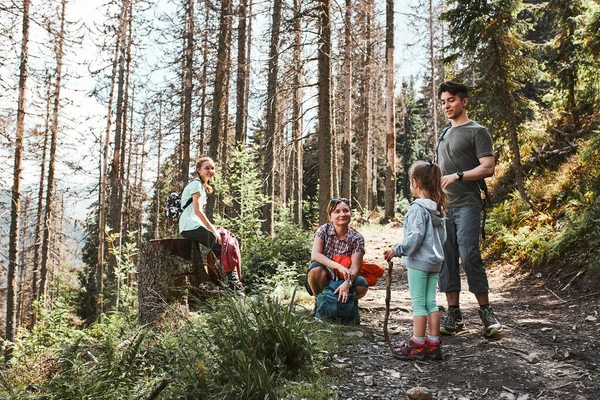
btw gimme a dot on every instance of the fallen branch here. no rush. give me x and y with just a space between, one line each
572 279
157 389
583 297
555 295
562 386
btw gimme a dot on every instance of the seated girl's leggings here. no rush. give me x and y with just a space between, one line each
422 286
205 237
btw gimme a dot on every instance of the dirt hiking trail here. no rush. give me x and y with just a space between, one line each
548 349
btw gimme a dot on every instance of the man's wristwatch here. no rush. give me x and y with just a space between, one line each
460 175
349 282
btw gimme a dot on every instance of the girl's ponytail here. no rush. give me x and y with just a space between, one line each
429 177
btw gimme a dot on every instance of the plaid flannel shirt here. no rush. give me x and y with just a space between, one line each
354 242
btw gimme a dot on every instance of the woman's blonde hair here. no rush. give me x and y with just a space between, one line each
429 179
199 163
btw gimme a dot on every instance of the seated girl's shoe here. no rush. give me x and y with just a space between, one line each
412 350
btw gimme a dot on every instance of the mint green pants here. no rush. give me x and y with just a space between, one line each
422 287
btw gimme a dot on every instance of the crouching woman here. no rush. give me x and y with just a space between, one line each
335 242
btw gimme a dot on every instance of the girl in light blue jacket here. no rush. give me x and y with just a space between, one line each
423 253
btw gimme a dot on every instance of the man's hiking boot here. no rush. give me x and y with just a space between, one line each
453 322
410 351
491 324
433 350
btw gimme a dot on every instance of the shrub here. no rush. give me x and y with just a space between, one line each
288 254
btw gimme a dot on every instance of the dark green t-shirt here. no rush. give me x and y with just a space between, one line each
460 150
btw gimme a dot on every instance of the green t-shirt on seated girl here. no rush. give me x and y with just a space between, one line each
188 221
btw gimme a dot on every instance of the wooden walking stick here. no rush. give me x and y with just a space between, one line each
388 296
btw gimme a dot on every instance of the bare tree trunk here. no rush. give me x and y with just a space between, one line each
203 84
364 175
241 117
158 185
40 206
218 122
297 116
116 184
127 130
188 89
139 186
346 186
390 171
16 189
104 174
126 212
325 126
219 95
434 99
52 158
21 263
268 213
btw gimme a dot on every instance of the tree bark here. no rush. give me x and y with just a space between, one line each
167 270
104 173
203 84
434 99
116 184
268 214
52 158
187 93
346 184
241 117
158 184
16 189
40 206
390 172
324 101
297 116
364 174
219 95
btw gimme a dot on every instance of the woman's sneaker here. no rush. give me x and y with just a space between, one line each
491 324
433 350
453 322
410 351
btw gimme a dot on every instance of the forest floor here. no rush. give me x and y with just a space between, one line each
547 350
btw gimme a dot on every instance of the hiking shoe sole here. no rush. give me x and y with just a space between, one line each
448 332
408 358
493 332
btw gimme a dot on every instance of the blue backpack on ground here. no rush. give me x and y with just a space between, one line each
331 310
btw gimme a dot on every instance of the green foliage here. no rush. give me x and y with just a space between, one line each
102 370
565 228
261 336
240 188
240 349
288 255
125 271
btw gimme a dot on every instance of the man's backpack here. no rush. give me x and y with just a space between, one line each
331 310
174 209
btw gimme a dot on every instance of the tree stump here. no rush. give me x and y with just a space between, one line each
168 271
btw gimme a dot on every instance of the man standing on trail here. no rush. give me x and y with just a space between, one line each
465 156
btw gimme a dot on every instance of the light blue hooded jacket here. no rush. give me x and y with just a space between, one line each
424 237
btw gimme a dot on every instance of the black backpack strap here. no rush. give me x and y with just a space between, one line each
187 203
437 146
